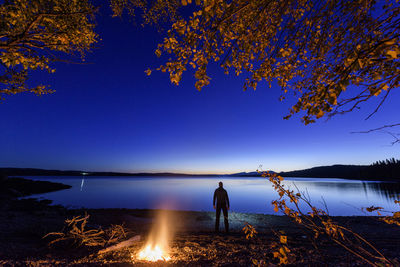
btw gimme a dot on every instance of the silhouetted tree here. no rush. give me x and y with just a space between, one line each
34 32
314 49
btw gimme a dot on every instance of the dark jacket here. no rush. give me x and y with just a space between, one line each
221 197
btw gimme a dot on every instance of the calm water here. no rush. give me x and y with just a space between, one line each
247 194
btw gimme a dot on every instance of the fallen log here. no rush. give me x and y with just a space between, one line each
120 245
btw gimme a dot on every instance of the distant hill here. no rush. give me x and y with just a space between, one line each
381 170
43 172
334 171
244 174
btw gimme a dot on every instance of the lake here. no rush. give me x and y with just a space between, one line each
246 194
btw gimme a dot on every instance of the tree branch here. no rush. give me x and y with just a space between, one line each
380 128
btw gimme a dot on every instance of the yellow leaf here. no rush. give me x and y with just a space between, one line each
276 209
390 42
392 53
377 92
287 211
319 114
360 63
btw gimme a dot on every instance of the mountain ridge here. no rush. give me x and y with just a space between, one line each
389 170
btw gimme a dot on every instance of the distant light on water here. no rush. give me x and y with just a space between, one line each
83 179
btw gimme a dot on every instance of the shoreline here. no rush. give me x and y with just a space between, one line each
300 178
25 221
23 227
375 172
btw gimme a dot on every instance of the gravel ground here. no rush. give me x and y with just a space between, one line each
24 222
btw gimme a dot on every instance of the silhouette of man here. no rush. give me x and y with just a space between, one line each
222 201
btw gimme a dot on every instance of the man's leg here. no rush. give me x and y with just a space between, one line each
217 215
225 211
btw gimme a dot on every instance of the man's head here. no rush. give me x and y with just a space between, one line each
220 184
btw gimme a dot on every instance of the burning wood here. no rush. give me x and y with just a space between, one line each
157 247
153 253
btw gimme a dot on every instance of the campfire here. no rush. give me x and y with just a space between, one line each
153 253
157 248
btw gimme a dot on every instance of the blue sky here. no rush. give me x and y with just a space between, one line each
108 115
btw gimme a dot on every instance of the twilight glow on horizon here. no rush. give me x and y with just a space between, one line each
107 115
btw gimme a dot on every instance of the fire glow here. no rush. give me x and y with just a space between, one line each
156 248
153 253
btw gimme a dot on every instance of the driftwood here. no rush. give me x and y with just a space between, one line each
122 244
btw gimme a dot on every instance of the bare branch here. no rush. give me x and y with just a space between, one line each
379 128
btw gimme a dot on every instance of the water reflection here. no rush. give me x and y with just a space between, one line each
247 194
389 191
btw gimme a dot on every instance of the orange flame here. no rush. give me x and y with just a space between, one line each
153 253
157 247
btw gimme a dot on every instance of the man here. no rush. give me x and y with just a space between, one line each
221 197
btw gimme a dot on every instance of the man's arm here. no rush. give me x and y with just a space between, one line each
215 197
227 200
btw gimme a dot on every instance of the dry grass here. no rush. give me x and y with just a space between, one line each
76 233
